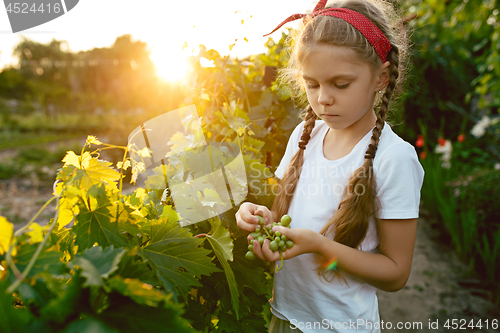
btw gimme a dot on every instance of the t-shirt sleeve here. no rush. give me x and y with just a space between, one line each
399 181
291 148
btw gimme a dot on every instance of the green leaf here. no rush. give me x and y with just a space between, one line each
97 264
130 317
68 302
140 292
220 239
176 256
248 273
170 214
97 227
222 243
131 267
49 261
209 197
13 320
88 325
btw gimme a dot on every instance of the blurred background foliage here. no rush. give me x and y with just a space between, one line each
449 110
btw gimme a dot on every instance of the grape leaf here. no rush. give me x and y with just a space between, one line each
130 317
209 197
97 264
140 292
68 302
96 172
80 162
13 320
222 243
176 256
6 231
220 239
96 227
68 208
248 273
88 325
46 261
132 268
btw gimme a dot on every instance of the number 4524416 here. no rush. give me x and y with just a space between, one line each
462 324
24 8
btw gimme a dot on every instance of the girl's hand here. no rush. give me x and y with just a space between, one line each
305 241
246 219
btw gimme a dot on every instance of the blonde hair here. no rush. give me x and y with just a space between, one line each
350 223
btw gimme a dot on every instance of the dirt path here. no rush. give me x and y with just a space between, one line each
434 292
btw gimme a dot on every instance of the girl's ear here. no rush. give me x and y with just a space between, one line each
383 76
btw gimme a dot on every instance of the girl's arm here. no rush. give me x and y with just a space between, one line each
388 270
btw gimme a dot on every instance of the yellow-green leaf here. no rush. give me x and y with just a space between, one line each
6 231
209 197
35 233
81 162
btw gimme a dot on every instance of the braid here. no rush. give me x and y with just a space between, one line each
289 182
382 114
310 121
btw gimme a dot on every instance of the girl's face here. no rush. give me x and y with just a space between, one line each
340 89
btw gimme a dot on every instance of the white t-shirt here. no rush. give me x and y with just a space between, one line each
299 295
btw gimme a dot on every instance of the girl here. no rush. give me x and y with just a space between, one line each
350 184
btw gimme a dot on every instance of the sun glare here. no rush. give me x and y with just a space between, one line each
171 65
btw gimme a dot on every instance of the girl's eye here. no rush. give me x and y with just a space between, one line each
342 86
312 86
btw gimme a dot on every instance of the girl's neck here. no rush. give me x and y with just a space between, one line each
350 136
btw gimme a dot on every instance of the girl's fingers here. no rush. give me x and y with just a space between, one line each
264 212
268 254
249 217
245 218
257 250
289 233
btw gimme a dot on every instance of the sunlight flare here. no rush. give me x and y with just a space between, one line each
171 64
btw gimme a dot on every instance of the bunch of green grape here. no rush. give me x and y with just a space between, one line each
277 241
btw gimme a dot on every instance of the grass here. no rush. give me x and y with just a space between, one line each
14 140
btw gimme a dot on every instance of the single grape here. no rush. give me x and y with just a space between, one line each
281 243
261 240
285 220
278 234
261 219
277 239
250 247
257 229
284 238
283 248
274 246
255 234
250 255
289 244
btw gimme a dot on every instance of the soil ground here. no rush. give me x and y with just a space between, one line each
438 290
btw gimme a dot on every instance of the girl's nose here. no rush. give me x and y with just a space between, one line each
325 98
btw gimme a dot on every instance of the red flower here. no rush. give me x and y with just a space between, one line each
420 141
441 141
423 155
461 138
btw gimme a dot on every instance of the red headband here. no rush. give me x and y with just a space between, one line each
372 33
